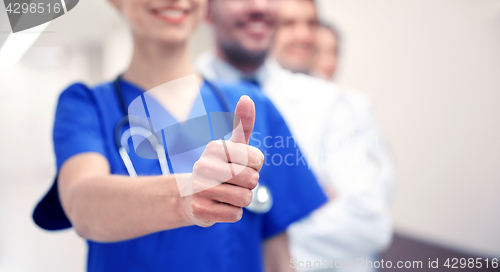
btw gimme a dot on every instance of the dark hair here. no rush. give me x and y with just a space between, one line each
332 29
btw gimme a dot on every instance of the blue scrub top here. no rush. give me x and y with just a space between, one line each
85 122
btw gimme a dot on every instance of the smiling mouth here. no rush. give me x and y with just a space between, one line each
256 28
171 15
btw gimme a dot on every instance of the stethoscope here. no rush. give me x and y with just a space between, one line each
262 200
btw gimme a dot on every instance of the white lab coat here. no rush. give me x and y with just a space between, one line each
336 131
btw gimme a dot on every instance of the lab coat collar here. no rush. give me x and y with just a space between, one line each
270 76
212 67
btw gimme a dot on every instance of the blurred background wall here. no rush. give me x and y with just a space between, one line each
432 68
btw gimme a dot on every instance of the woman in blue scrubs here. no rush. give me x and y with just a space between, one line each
142 223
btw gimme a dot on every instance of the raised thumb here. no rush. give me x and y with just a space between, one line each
244 120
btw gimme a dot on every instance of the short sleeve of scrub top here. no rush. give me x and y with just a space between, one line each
299 193
76 128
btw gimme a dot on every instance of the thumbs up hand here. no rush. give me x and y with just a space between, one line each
226 173
245 110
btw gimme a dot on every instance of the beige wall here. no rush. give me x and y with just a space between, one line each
432 69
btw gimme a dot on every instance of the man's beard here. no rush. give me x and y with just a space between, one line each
239 56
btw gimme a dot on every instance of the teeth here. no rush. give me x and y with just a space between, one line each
301 46
172 13
256 26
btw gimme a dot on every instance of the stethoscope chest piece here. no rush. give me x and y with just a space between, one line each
262 200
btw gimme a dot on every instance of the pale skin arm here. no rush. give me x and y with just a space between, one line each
277 254
105 207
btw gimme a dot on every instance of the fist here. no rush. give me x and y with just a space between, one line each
226 173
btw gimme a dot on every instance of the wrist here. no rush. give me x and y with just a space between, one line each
181 207
183 211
